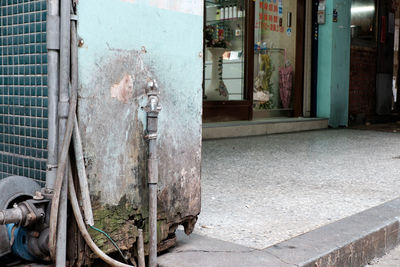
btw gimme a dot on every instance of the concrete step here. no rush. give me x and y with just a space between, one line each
261 127
353 241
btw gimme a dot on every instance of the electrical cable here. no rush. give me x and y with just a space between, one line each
109 238
85 234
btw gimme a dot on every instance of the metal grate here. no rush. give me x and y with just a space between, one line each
23 89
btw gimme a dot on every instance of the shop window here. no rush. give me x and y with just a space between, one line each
224 49
363 21
274 58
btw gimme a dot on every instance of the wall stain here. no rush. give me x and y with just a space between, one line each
123 90
113 126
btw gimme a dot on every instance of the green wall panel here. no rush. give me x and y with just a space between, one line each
23 89
334 64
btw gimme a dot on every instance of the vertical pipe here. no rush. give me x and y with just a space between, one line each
140 249
152 109
65 34
53 83
64 68
61 248
152 219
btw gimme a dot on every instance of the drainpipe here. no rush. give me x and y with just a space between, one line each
63 108
53 48
152 109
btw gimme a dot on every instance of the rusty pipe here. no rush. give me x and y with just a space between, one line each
21 215
14 215
153 108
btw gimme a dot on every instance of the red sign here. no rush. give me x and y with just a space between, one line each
268 17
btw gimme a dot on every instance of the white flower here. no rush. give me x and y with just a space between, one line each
262 96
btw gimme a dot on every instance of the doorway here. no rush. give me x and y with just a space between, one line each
249 46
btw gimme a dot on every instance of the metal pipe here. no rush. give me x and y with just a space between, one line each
140 249
65 50
14 215
152 108
63 154
153 224
61 247
53 41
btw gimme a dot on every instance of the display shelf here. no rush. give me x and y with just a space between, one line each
263 51
223 21
219 3
227 61
232 31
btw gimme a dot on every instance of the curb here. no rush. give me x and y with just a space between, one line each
353 241
213 131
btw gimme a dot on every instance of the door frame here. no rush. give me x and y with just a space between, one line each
299 66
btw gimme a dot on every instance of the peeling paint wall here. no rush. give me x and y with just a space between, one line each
127 43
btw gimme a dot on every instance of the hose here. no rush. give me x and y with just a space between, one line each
83 183
82 228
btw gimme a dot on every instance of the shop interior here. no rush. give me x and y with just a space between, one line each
250 69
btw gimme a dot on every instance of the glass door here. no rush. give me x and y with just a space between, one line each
226 50
274 58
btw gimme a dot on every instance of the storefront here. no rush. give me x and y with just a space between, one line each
253 64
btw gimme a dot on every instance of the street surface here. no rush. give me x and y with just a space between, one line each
259 191
392 259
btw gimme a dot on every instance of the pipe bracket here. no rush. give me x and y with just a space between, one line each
151 136
51 166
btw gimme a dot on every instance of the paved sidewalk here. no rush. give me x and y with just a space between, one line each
259 191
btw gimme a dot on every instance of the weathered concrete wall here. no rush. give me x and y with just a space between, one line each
126 44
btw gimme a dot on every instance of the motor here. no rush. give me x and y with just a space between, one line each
24 222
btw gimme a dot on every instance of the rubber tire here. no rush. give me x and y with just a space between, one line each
14 187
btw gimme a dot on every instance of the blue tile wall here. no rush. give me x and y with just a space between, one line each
23 89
